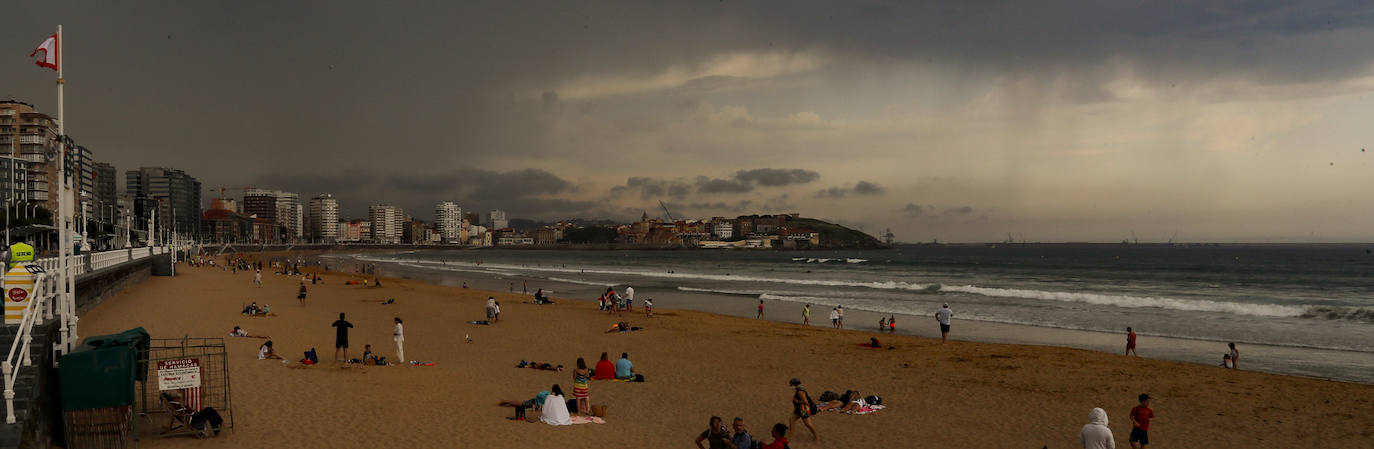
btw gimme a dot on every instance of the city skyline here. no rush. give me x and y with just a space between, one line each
941 121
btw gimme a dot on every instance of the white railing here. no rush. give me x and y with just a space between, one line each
23 339
45 301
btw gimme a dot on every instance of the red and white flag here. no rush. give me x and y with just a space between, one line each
48 50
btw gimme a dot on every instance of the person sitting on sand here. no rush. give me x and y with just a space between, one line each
1096 434
605 370
874 343
624 369
716 435
251 309
267 352
779 433
555 411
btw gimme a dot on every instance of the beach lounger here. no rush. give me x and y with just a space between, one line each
180 422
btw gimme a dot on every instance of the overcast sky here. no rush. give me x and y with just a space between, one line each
957 121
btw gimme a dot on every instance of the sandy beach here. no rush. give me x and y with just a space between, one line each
960 394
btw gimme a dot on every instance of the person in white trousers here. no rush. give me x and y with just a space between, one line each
398 334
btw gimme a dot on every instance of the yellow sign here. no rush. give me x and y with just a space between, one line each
20 252
18 292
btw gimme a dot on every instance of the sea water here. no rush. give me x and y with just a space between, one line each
1301 309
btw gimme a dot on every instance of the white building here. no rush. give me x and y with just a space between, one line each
723 229
324 218
386 223
448 221
496 219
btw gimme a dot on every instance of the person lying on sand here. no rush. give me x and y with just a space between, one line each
535 403
239 332
622 327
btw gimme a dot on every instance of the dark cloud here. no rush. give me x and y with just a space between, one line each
776 177
962 210
915 210
860 188
713 185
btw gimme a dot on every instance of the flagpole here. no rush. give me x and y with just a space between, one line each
64 239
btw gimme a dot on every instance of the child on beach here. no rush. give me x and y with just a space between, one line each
1130 342
1235 355
649 307
760 310
806 315
892 324
882 323
1140 423
581 390
1227 362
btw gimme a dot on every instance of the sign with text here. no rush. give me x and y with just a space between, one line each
178 374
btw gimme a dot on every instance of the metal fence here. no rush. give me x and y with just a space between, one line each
213 360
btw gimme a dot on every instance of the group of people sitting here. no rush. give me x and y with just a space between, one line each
621 369
539 297
254 310
717 436
849 402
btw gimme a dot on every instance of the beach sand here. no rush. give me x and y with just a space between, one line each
956 395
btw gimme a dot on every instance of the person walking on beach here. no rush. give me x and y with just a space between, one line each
1096 434
1235 355
840 311
341 337
806 315
1140 423
525 287
892 323
300 297
257 278
760 310
629 298
943 315
835 318
1130 342
802 407
398 334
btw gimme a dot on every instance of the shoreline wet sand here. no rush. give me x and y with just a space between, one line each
960 394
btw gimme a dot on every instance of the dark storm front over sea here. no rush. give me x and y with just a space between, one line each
1296 309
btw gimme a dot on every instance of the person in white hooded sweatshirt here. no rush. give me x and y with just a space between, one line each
1095 434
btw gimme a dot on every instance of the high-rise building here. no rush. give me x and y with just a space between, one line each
14 184
386 223
106 199
260 203
289 214
173 193
496 219
324 219
448 220
32 136
83 179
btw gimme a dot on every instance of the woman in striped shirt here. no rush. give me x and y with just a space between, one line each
580 392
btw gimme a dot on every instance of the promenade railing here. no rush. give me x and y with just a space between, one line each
43 289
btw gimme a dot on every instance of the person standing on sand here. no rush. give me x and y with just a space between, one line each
943 315
892 323
835 318
525 287
581 390
715 436
1096 434
300 297
257 278
802 407
648 307
1235 355
882 323
806 315
398 334
341 337
1130 342
760 310
840 311
1140 423
629 298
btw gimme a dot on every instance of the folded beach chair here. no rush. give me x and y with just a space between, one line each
180 422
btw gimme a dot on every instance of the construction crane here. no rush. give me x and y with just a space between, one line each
665 210
222 189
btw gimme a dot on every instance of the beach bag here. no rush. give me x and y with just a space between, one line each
599 411
639 378
874 400
206 416
310 355
572 404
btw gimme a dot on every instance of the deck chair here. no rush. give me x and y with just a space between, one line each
180 422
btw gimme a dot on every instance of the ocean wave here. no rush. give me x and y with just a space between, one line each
581 282
828 259
719 292
1192 305
1363 314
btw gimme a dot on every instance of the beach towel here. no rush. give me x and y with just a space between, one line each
862 410
579 419
555 411
482 322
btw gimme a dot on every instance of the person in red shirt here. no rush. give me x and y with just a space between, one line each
760 310
1140 423
1130 342
605 370
779 441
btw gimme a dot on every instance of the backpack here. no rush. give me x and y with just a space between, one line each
874 400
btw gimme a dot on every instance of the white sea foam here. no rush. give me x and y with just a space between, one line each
1194 305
